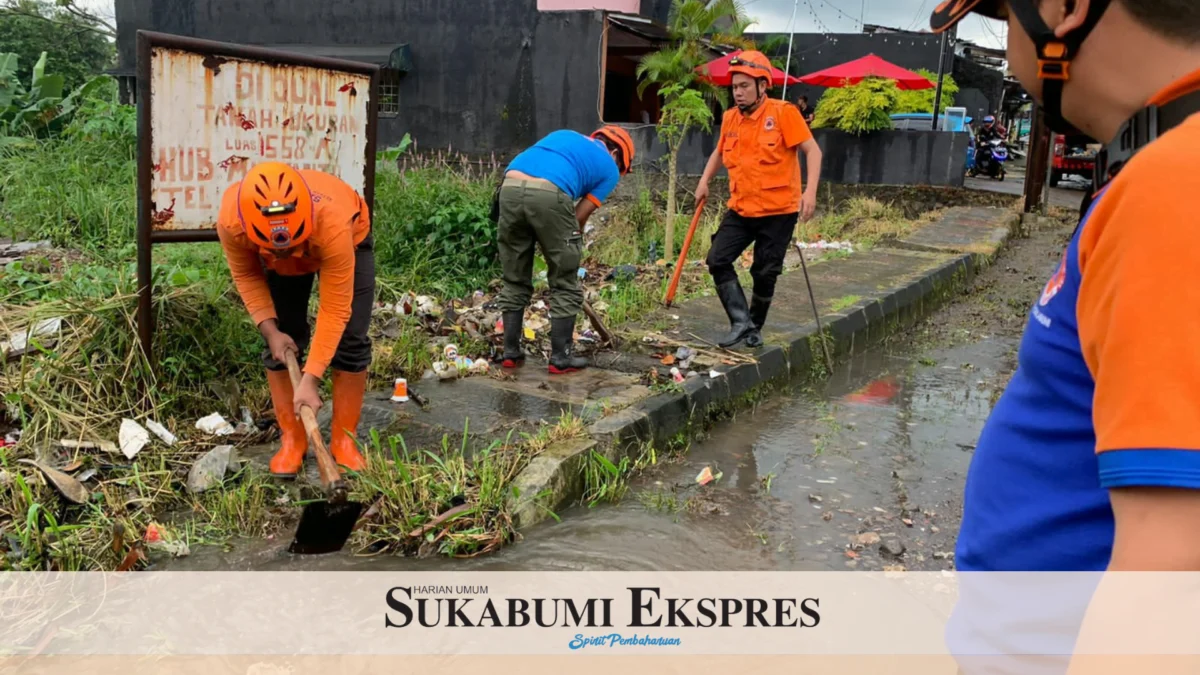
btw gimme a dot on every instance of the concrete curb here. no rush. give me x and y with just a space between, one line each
555 478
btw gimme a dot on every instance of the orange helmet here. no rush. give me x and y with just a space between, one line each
275 206
752 63
620 138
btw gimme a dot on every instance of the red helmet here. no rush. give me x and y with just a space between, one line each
275 206
620 138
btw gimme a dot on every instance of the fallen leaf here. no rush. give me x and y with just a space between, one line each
867 539
73 490
77 464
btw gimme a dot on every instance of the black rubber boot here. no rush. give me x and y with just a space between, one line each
734 300
514 356
758 316
562 338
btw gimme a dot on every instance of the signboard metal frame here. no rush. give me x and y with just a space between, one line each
147 236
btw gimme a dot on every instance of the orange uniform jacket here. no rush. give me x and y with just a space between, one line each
341 222
761 153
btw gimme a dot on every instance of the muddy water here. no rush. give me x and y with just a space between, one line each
819 479
863 471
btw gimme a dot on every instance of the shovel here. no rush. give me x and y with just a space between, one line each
325 525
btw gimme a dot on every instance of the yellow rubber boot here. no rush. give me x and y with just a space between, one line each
293 442
348 392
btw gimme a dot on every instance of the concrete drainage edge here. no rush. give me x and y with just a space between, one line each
555 478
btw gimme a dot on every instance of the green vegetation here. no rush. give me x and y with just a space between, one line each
867 106
80 48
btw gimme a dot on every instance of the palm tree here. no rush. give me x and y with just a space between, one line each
695 27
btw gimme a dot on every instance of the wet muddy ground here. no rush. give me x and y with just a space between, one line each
861 471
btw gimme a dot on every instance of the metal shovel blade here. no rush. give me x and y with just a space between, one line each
325 527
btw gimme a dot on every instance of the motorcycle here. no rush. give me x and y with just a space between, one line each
990 158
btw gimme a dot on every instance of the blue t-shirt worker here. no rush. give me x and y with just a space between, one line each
549 192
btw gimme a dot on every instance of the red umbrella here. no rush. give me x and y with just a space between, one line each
717 72
870 65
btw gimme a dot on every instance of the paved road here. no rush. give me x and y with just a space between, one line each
1070 195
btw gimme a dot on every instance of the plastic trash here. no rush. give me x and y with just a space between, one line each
132 438
214 424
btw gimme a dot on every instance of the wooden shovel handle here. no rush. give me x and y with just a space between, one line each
331 476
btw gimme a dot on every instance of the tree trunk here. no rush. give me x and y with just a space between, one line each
672 179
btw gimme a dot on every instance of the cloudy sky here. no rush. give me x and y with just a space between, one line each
822 16
843 16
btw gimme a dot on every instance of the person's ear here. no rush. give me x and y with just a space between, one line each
1065 15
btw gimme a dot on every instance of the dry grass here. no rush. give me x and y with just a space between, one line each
863 221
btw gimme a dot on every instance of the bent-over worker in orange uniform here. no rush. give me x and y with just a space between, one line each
279 228
761 143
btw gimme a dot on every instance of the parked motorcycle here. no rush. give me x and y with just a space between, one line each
990 158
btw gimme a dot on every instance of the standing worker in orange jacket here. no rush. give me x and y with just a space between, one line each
760 144
279 228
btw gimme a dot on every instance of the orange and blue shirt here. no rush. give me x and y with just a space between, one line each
578 165
1106 393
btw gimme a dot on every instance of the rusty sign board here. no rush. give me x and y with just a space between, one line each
208 111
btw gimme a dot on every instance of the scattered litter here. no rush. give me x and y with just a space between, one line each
246 426
827 245
876 507
530 335
712 374
214 424
159 430
815 498
480 366
907 521
445 371
943 555
676 375
82 478
5 478
132 437
683 354
622 272
450 352
106 446
400 392
667 360
706 476
209 470
18 343
540 305
68 487
159 538
831 481
827 516
583 272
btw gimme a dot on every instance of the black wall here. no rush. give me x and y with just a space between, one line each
879 158
487 76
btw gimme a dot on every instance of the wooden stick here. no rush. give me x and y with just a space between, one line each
420 531
331 476
598 324
716 355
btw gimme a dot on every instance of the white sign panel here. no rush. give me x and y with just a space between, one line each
213 117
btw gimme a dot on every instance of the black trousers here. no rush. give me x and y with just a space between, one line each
291 295
770 235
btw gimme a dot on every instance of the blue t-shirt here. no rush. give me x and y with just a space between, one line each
1105 394
580 166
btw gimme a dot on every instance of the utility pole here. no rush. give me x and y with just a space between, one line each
862 17
937 98
1037 165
